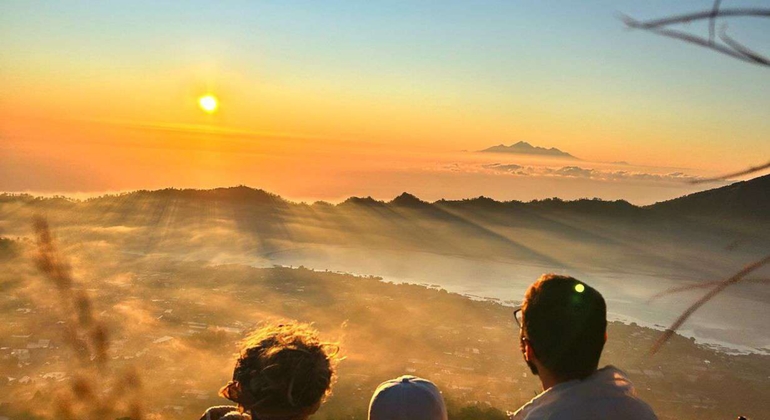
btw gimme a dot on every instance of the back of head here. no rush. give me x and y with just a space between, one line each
407 398
565 322
283 371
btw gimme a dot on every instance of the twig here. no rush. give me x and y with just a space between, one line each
750 170
753 55
700 302
709 14
698 286
713 20
732 48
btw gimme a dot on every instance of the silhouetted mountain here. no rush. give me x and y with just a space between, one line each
240 194
745 199
481 202
592 207
524 148
323 204
409 200
362 201
595 206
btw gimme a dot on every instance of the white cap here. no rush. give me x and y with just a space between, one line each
407 398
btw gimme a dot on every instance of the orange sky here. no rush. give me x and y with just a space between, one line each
84 110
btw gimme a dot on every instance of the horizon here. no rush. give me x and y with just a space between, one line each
88 196
325 102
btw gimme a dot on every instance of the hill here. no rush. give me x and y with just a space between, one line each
745 199
238 223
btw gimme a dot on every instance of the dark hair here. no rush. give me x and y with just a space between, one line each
565 322
283 371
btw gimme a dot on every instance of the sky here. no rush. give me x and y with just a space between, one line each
324 100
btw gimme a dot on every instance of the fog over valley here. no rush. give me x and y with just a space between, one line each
178 276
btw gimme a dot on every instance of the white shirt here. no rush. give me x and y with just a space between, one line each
606 394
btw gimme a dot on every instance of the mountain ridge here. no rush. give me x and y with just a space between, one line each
742 199
524 148
750 198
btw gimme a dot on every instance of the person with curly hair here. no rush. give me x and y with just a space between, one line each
284 372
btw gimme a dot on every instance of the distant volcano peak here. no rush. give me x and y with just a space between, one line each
524 148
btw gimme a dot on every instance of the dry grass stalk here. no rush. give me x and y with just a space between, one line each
89 340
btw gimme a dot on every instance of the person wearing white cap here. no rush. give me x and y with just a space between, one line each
407 398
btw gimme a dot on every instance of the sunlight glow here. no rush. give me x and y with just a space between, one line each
208 103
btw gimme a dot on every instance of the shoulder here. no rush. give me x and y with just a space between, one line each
224 412
629 408
535 408
593 407
641 409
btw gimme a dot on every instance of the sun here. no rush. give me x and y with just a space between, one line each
208 103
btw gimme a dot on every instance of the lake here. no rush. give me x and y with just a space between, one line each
735 321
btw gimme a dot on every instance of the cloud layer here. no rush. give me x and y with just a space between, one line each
586 173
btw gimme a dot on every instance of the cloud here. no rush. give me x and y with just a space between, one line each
643 176
581 172
574 171
513 168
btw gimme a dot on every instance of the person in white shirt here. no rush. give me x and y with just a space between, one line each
563 328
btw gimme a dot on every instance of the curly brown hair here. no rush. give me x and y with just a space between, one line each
284 371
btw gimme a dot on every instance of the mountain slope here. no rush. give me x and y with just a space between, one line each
745 199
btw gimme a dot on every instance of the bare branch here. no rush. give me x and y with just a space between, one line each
713 20
742 49
698 286
684 36
732 48
750 170
700 302
709 14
